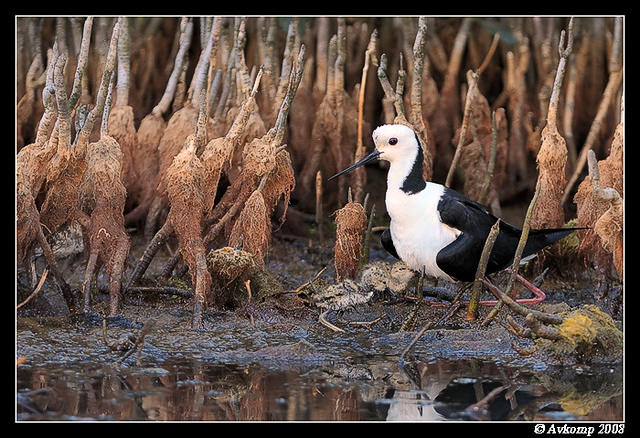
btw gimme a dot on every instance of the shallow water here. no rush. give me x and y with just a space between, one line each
368 389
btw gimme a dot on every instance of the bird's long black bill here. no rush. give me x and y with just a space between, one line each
373 155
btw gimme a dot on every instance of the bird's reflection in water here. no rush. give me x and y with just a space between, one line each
472 390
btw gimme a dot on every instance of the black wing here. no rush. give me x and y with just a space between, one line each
464 214
460 258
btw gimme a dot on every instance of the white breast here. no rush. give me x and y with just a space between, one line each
416 230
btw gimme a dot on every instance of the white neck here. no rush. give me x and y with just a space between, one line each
399 170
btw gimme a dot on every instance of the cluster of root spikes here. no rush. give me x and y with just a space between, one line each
224 129
246 207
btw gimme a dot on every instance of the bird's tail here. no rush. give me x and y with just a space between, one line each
539 239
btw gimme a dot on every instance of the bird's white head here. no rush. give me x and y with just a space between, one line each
395 143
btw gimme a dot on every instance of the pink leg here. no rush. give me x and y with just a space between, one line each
539 293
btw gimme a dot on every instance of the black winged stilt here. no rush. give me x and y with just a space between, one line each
436 230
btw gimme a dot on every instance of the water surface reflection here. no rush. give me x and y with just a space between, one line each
380 390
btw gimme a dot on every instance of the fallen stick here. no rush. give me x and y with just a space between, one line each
36 290
448 314
307 283
541 330
323 321
166 290
518 308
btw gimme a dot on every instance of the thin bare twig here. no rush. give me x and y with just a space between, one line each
472 309
307 283
36 290
487 58
359 174
318 216
463 130
450 311
367 235
518 255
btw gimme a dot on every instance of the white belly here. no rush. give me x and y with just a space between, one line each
416 230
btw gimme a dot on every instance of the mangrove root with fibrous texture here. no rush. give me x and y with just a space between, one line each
552 156
252 228
420 64
108 239
597 212
121 128
145 154
180 126
185 179
351 221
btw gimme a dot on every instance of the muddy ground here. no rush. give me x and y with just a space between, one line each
282 334
282 320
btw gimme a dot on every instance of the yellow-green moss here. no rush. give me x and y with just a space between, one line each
176 282
582 403
570 244
588 324
578 328
587 332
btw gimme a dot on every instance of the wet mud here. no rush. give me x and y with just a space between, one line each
270 359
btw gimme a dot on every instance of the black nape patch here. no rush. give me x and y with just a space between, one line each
414 182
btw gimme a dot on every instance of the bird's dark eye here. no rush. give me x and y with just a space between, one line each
393 141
